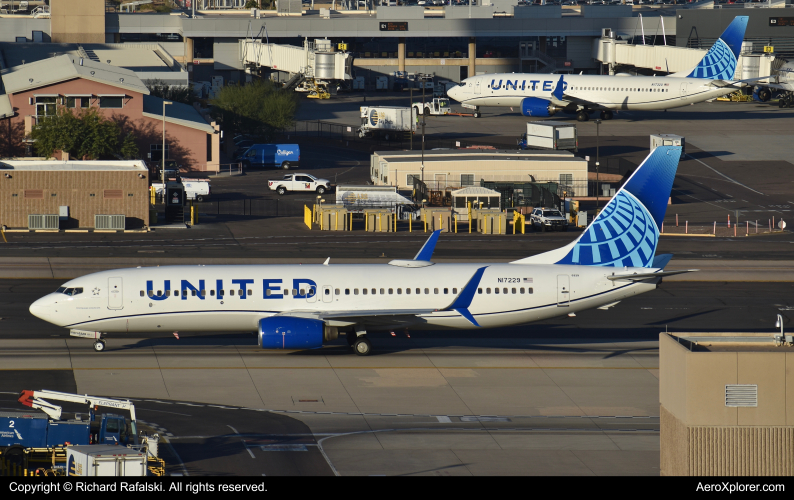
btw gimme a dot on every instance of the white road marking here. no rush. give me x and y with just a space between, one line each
726 177
233 429
250 453
444 420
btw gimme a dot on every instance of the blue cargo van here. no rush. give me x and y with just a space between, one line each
271 155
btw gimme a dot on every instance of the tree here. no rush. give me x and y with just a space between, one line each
257 108
129 149
88 134
176 93
251 4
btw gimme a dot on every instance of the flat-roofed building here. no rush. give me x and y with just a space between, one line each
75 192
454 169
726 404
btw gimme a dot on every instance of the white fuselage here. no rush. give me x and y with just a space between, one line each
608 92
508 294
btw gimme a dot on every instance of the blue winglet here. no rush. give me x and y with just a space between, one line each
463 301
426 253
559 89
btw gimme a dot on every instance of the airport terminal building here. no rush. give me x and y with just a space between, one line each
449 42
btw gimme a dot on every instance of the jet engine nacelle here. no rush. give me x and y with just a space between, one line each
284 332
535 106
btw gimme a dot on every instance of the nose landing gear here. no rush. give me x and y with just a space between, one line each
99 342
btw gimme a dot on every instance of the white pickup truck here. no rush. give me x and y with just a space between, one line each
299 183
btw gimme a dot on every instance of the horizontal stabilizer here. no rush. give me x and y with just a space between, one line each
647 276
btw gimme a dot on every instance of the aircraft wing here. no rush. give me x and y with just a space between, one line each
560 98
372 317
567 99
738 83
779 86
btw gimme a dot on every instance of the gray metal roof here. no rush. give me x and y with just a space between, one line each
74 165
512 153
178 113
62 68
475 191
465 157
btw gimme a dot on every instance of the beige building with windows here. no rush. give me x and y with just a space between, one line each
454 169
726 405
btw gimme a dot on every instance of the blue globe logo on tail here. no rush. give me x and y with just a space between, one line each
721 59
626 232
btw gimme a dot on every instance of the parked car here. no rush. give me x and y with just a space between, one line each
548 219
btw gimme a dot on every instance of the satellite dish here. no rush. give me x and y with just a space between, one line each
781 224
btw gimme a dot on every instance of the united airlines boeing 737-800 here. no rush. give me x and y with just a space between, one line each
303 306
542 95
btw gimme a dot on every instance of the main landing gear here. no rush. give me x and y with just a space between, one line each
359 342
606 115
582 115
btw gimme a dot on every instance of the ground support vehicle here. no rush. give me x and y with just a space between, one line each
548 219
549 135
270 155
436 107
21 430
386 122
299 183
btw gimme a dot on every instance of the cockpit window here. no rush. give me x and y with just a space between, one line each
61 289
70 291
462 84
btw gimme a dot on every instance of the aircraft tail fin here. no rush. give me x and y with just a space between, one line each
720 61
626 232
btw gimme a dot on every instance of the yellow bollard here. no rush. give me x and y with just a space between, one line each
515 221
425 221
336 221
351 221
455 218
366 222
410 219
499 229
152 194
440 223
380 224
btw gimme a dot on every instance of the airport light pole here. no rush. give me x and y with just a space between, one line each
162 153
598 123
422 83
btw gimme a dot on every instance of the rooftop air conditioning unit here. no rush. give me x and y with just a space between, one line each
43 221
115 222
607 33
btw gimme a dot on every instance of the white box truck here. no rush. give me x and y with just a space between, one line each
104 460
550 134
386 122
668 140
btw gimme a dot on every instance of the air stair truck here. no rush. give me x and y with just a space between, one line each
22 430
386 122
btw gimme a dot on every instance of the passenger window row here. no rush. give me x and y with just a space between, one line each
505 290
337 291
390 291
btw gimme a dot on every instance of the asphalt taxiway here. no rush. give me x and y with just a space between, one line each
564 396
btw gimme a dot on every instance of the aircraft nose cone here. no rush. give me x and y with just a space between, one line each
38 308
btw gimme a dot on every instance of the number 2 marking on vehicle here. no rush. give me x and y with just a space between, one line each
11 424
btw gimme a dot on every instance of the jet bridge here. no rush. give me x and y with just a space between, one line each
316 59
